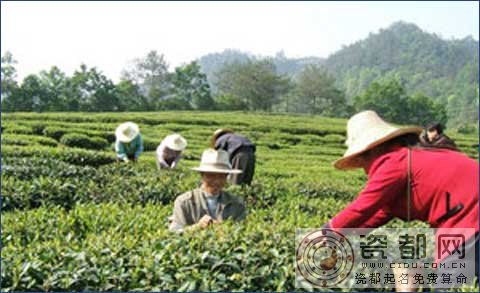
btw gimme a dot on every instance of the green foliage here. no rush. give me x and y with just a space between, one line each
17 129
191 86
57 132
390 100
422 110
9 84
467 129
70 155
130 96
424 63
73 220
93 91
25 140
83 141
140 255
255 84
151 74
317 94
54 132
150 144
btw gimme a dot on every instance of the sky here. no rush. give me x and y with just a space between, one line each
109 35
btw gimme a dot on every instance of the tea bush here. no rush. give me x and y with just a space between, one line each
83 141
70 155
25 140
75 220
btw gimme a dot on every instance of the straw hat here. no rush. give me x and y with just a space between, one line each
366 130
219 132
216 162
127 131
175 142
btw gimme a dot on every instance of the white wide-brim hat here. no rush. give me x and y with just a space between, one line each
366 130
216 162
126 132
175 142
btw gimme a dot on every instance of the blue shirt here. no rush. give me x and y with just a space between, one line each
135 147
212 203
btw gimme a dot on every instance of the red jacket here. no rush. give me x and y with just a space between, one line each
434 173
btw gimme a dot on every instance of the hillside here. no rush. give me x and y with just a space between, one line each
446 70
425 62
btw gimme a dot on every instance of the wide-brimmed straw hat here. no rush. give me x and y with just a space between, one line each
219 132
127 131
175 142
366 130
216 162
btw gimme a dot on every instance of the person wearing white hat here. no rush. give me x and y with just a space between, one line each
407 181
169 152
129 142
209 204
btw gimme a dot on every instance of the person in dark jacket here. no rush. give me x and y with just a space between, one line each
434 137
241 152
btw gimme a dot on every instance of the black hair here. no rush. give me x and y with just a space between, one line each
407 140
435 126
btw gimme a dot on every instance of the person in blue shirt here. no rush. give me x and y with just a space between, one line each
129 142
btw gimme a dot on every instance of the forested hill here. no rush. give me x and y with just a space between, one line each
424 62
446 70
213 62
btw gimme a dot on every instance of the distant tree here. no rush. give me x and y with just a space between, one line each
254 84
94 91
9 84
423 110
55 84
31 95
388 98
174 103
151 74
317 94
129 96
228 102
191 86
211 63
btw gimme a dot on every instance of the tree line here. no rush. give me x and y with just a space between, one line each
250 84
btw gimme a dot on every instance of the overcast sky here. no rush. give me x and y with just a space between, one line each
109 34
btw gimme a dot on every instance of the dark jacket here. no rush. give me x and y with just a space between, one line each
231 143
440 141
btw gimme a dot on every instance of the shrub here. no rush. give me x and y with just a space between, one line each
87 249
54 132
25 140
70 155
17 129
150 144
83 141
467 129
57 132
71 221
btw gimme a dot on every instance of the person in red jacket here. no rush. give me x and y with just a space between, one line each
444 183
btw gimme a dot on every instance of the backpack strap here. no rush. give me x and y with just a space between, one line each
409 184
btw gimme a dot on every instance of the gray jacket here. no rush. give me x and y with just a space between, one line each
191 206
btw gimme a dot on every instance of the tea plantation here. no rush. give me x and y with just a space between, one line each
73 219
